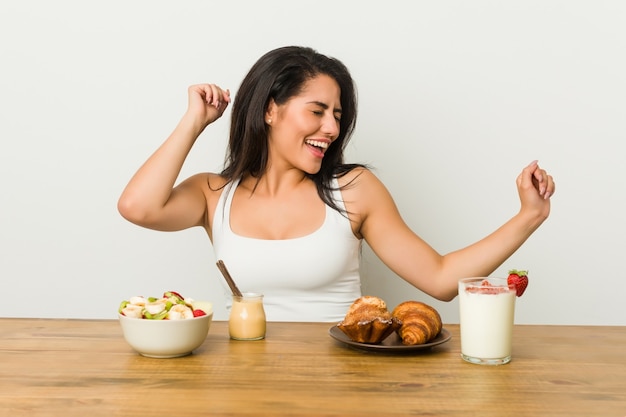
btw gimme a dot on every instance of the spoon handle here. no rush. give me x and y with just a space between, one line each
229 279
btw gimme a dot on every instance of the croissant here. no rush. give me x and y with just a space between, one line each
420 322
368 320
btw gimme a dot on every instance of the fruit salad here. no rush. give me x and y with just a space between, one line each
171 306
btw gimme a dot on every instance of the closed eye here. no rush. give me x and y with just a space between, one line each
323 107
321 113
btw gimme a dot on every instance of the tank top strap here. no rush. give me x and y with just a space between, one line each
221 217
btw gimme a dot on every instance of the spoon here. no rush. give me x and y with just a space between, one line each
229 279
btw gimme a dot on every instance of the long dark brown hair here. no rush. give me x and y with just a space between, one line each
280 75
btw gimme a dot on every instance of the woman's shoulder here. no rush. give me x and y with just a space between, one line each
208 181
362 192
358 177
216 181
363 189
209 184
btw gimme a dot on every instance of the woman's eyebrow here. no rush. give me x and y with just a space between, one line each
324 106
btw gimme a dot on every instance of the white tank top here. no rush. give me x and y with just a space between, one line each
309 278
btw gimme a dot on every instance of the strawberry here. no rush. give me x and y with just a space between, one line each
198 313
519 280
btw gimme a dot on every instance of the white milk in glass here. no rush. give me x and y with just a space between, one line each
486 318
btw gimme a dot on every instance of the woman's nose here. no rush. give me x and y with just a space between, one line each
330 126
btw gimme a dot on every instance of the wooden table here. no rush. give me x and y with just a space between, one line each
66 368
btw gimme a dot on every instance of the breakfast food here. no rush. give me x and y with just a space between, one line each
247 320
368 320
171 306
519 280
487 311
420 322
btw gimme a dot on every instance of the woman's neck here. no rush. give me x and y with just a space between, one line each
275 182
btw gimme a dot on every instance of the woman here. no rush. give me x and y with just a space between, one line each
286 214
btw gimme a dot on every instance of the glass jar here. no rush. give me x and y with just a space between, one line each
247 317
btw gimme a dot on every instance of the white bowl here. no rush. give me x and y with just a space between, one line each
165 338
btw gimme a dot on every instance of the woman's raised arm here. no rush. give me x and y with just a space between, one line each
418 263
150 199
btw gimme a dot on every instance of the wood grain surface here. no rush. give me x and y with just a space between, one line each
85 368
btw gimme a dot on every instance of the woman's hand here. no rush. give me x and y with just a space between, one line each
535 187
206 103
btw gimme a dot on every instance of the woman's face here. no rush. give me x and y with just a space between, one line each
304 127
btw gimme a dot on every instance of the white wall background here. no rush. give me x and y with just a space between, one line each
455 98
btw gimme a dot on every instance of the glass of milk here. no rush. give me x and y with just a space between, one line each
487 309
247 317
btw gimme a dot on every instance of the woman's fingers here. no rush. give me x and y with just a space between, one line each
215 96
211 94
207 102
539 178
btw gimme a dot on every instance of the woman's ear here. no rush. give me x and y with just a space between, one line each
270 113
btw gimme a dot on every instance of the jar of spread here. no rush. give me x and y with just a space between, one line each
247 317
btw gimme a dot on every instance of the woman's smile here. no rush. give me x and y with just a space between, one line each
318 146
